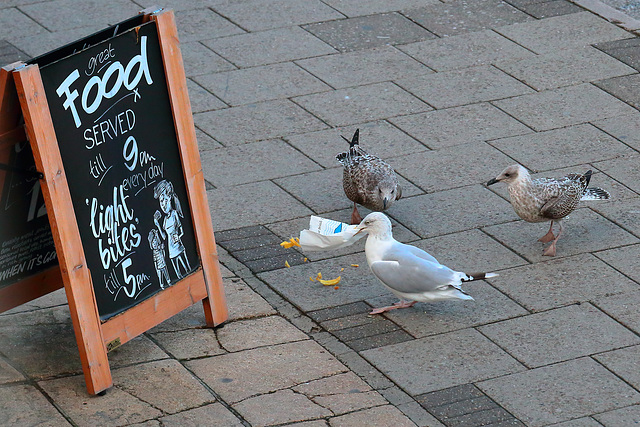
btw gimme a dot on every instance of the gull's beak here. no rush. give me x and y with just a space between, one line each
361 227
492 181
384 203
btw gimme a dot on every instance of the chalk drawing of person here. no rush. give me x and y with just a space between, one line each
171 227
157 246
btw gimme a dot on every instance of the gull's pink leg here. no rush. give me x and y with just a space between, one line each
551 250
399 304
355 215
549 236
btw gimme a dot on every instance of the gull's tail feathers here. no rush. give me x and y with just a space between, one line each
595 193
478 276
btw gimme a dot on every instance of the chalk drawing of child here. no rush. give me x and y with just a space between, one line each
171 227
157 246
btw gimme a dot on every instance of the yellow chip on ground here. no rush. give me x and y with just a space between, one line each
331 282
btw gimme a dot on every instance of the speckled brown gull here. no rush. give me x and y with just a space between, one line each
547 199
409 272
367 180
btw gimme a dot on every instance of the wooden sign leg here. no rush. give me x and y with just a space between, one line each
215 306
75 274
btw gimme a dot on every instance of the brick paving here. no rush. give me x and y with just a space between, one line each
449 92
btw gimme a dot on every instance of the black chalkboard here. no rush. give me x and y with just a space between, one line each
112 117
26 243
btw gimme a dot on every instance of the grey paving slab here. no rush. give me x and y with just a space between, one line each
139 350
558 335
254 122
40 43
563 32
165 384
560 282
434 318
467 16
460 125
53 299
9 53
194 417
189 343
623 50
466 50
579 422
625 213
58 15
266 409
252 333
23 404
379 138
323 198
256 15
201 24
202 100
205 142
621 307
277 159
557 148
434 170
625 88
385 415
625 170
265 369
352 8
242 206
625 128
548 9
560 392
264 83
199 59
116 407
365 32
564 106
623 362
268 47
356 284
470 251
354 105
8 373
363 67
426 364
566 68
620 417
461 87
450 211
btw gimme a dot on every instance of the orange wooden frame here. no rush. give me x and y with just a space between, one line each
94 337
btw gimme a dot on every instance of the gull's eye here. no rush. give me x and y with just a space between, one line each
367 222
507 175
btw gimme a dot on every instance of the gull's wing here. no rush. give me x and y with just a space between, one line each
405 272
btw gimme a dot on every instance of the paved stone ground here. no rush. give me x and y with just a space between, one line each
450 92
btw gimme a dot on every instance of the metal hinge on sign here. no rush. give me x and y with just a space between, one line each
113 344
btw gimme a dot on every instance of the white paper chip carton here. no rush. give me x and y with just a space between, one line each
326 234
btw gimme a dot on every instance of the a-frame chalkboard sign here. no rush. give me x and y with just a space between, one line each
102 188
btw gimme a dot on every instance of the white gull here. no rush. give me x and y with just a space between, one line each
409 272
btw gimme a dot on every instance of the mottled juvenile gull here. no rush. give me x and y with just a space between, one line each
547 199
409 272
367 180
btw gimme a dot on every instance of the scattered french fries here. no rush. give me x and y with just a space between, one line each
294 241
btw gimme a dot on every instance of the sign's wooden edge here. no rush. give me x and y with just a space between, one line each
11 133
55 189
214 305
